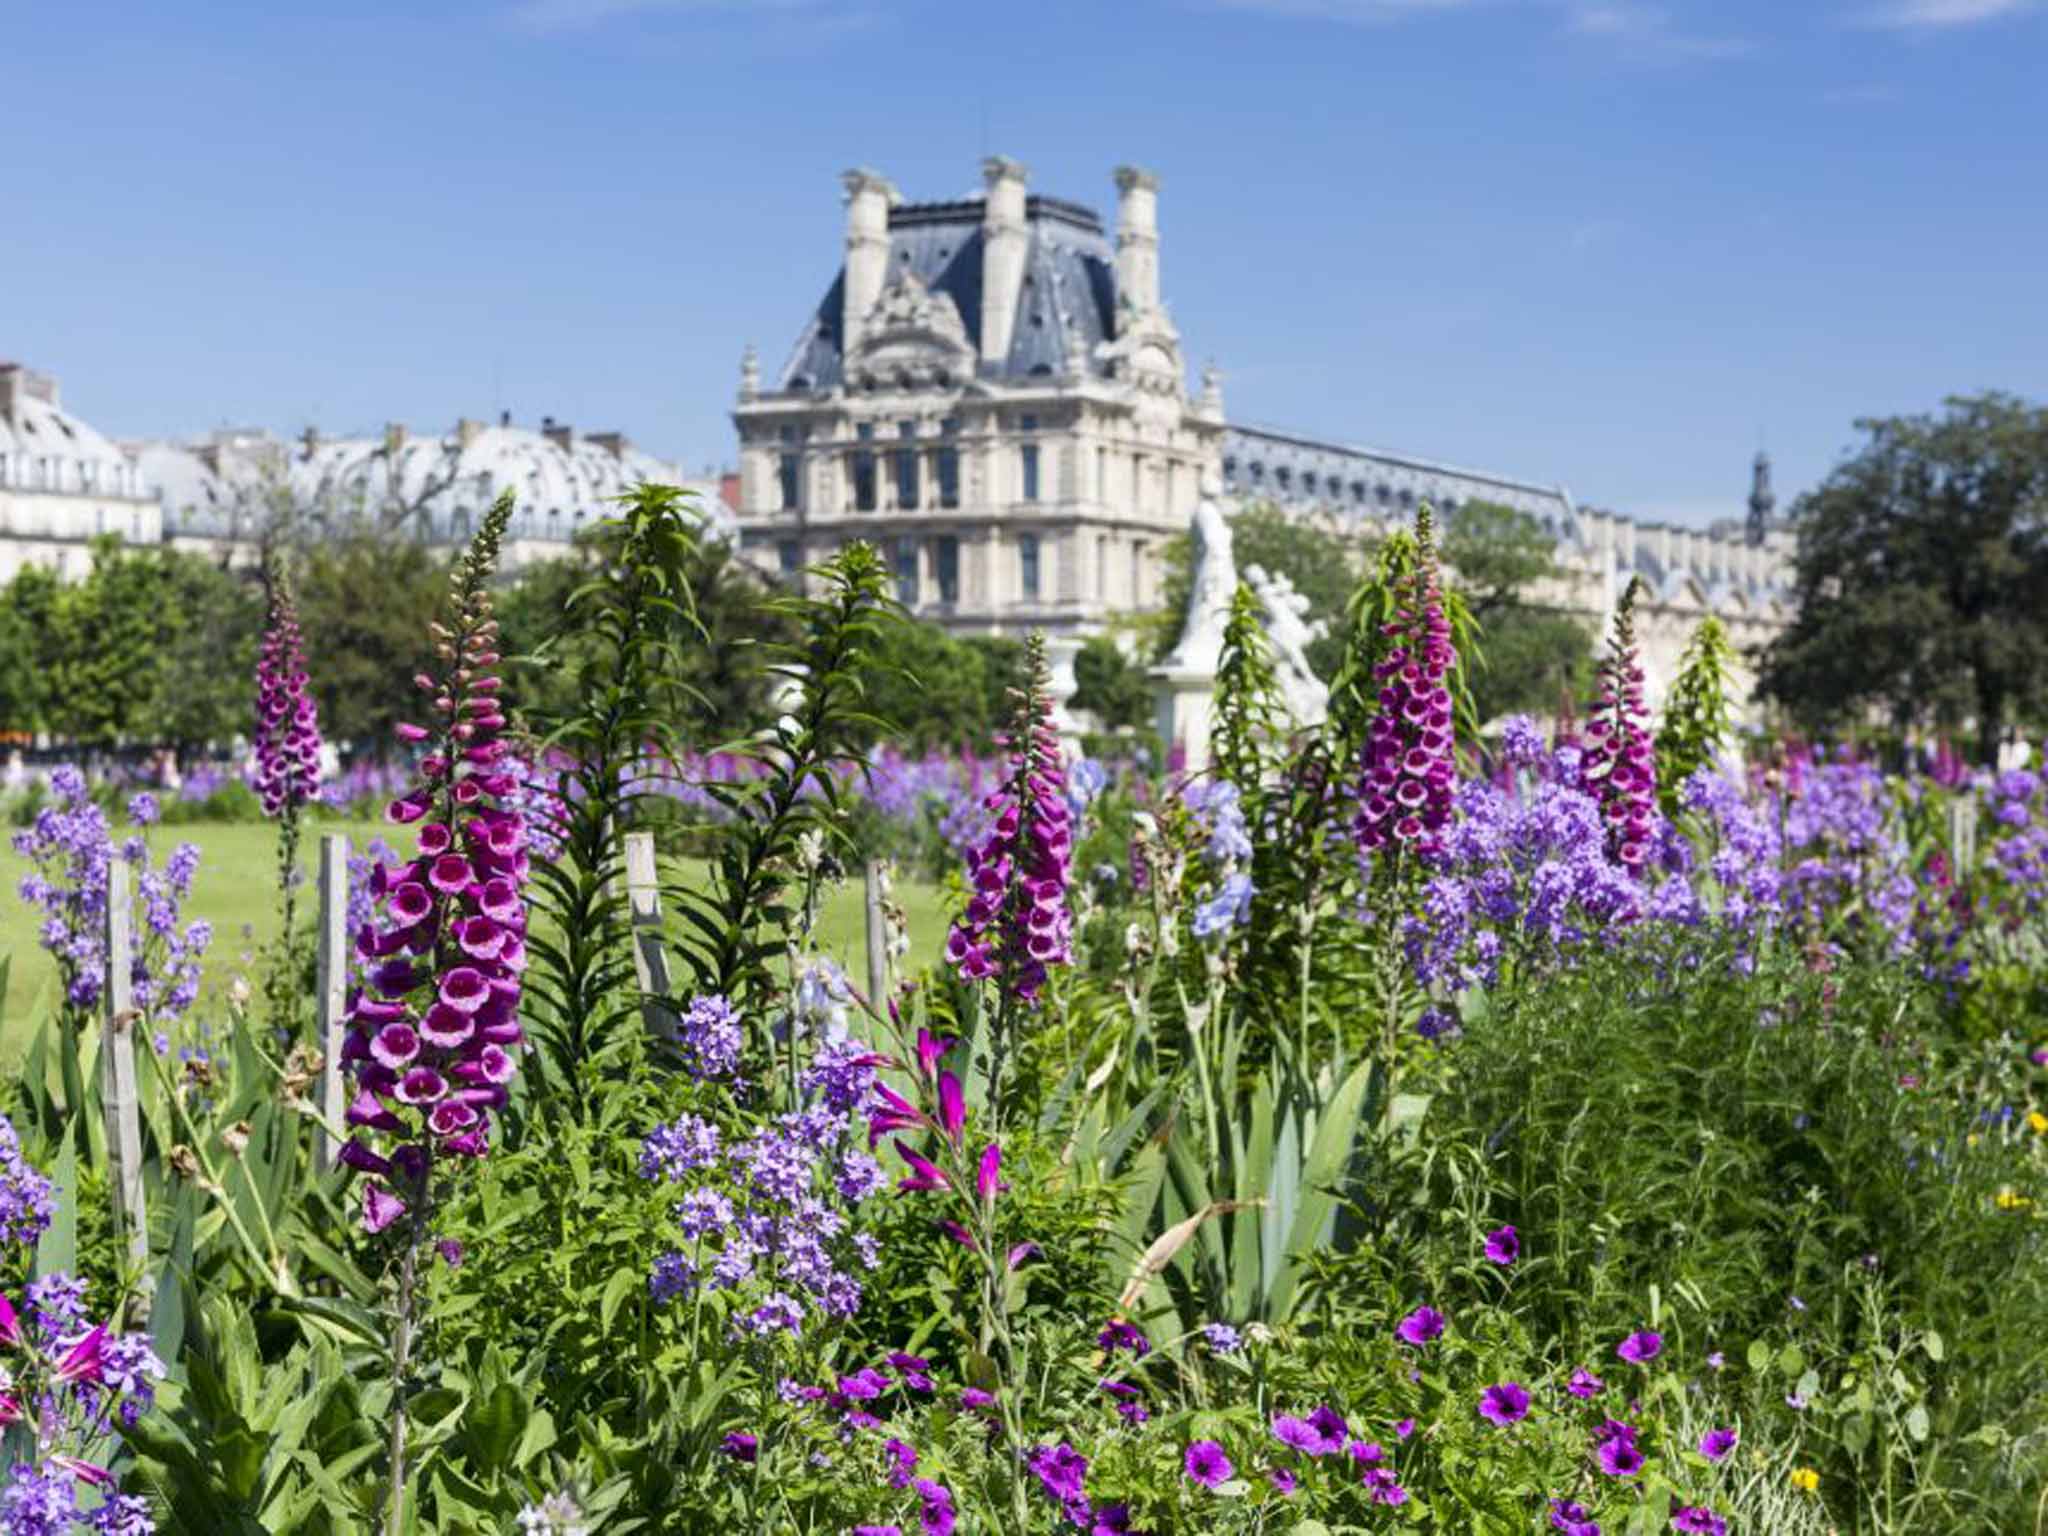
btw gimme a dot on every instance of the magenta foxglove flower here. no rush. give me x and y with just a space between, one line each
1410 767
1016 924
287 721
1504 1403
434 1030
1206 1464
1619 767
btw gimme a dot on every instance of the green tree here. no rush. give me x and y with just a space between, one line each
1112 686
365 601
1323 566
934 689
28 609
1923 576
1532 655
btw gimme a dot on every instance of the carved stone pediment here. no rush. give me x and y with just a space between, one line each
1146 354
912 337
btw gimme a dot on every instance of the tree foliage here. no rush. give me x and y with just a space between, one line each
1534 656
1923 575
1111 686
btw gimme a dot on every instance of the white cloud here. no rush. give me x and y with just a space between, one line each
1947 13
571 15
1648 31
1346 10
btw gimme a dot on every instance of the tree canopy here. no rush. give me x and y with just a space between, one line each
1923 576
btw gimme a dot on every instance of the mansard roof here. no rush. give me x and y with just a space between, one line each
1066 305
1305 472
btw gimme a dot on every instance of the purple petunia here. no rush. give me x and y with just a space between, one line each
1420 1326
1698 1520
1640 1348
1572 1518
1505 1403
1118 1334
1618 1455
1503 1246
1715 1444
1206 1464
1284 1482
1584 1383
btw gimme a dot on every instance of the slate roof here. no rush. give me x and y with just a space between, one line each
1066 304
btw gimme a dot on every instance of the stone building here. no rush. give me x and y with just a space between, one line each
1739 572
62 484
225 494
991 391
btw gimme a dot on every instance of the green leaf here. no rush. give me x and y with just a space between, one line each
616 1290
494 1426
1916 1422
1932 1343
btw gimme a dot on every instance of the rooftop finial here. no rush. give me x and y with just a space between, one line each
750 373
1762 501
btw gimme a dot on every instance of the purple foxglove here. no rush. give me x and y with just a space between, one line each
1410 767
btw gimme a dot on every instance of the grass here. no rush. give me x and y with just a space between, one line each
236 891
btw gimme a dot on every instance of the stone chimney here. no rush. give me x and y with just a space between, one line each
613 443
1137 238
466 432
309 440
18 383
394 437
557 432
750 375
1005 242
869 197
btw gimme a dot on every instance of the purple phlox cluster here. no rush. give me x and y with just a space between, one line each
1744 862
1017 924
1521 743
434 1030
1845 852
1087 778
1222 1338
64 1388
27 1199
769 1217
287 732
1619 768
708 1037
1410 766
1218 808
71 847
1229 907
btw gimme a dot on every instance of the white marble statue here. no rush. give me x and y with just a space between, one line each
1290 634
1201 636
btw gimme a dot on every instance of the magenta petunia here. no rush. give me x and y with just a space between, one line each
1505 1403
1503 1246
1715 1444
1640 1348
1420 1326
1206 1464
1619 1456
1698 1520
1584 1384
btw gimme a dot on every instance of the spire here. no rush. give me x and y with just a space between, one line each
1762 503
750 373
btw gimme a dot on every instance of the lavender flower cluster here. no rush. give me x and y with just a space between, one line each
71 846
64 1386
1227 848
769 1216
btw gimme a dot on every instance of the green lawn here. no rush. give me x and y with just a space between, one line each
235 890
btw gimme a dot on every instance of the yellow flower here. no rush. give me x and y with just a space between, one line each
1805 1479
1973 1139
2010 1200
2037 1122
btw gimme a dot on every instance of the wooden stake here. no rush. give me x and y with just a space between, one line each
118 1090
878 936
331 999
650 951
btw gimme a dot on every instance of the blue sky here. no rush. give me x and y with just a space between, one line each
1614 243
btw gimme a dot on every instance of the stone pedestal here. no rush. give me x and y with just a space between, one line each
1185 698
1060 652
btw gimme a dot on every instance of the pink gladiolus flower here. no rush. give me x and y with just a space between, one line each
10 1325
952 1107
81 1360
987 1176
924 1173
959 1234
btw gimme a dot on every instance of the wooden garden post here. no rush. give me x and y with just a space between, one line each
878 936
118 1091
650 953
331 999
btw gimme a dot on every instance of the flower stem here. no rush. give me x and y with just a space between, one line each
401 1356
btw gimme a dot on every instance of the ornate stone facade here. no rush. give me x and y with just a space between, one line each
62 484
993 394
